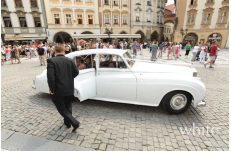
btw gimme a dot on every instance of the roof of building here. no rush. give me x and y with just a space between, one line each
166 11
170 7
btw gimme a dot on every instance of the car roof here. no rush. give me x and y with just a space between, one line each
96 51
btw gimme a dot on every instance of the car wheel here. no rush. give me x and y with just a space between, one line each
176 102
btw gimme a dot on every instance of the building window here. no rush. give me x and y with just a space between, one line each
148 17
210 1
3 3
80 19
78 0
89 0
137 16
90 19
191 19
106 2
37 22
7 22
149 3
115 2
68 18
138 1
18 3
124 19
193 2
33 3
124 2
206 19
223 17
159 19
107 19
116 19
56 18
22 21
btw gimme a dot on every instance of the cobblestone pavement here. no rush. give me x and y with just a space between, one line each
114 126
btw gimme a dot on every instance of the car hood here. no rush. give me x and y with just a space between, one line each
144 67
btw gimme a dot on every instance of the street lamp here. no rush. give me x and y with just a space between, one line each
108 32
183 32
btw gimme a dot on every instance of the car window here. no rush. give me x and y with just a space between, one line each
111 61
128 58
85 61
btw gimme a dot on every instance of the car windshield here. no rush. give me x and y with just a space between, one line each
128 58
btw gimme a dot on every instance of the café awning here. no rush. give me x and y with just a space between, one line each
106 36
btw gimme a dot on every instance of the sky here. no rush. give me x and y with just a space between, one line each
170 2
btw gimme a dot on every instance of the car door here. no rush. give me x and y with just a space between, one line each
114 79
85 83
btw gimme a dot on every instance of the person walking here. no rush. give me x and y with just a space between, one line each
188 48
134 48
61 72
212 55
41 53
202 53
141 48
17 55
216 55
161 47
169 50
195 50
180 47
173 50
73 47
2 57
154 51
7 50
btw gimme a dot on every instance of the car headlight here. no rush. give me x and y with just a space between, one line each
194 74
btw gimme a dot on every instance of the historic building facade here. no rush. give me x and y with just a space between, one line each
168 24
147 19
23 20
70 20
206 20
115 14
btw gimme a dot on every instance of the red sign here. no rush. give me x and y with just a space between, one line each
74 32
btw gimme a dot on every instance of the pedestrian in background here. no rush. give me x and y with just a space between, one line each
195 50
212 55
134 48
161 48
2 57
60 78
202 53
141 48
173 50
188 48
7 50
73 47
169 50
154 51
41 53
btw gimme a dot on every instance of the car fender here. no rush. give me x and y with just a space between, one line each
152 87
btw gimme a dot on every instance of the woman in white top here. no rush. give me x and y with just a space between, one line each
202 54
195 50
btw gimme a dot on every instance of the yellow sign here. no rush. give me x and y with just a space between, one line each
14 36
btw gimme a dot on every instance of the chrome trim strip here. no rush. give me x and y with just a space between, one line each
202 103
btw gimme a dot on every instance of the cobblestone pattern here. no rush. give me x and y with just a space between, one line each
114 126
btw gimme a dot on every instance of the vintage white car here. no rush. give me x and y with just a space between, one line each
112 75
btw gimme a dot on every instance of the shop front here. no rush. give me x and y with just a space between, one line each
217 37
23 39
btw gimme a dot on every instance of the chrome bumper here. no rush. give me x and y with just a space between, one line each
202 103
33 86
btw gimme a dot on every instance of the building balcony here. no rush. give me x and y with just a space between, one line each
19 9
5 8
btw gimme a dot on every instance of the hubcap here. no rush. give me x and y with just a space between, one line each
178 101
